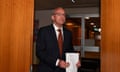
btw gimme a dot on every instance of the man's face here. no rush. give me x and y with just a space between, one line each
59 16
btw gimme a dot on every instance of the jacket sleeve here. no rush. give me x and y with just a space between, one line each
41 50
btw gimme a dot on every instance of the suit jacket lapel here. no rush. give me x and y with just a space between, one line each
53 33
65 37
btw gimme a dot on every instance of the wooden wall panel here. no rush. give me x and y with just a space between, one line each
16 34
110 43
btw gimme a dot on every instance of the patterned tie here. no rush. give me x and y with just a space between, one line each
60 41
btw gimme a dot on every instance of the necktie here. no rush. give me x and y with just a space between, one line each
60 41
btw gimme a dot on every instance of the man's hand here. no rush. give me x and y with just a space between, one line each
63 64
78 64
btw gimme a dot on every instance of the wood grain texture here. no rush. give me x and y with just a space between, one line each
16 34
110 43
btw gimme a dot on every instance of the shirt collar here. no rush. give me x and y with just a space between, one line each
56 28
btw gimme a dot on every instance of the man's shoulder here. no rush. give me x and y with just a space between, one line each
45 27
67 30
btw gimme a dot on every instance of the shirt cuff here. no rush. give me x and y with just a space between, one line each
57 62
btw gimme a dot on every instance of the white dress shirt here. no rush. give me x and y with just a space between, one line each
56 31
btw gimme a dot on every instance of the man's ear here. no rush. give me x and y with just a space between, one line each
52 17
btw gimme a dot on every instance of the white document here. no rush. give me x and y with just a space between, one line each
72 58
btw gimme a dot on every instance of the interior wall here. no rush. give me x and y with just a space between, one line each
16 35
44 16
110 41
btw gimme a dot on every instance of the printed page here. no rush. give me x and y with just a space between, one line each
72 58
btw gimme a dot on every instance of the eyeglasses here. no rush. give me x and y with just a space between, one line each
59 14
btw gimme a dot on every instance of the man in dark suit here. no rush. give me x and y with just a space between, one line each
47 46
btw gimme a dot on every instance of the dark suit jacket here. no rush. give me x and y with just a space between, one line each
47 48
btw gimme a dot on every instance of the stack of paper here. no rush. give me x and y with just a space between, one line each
72 59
